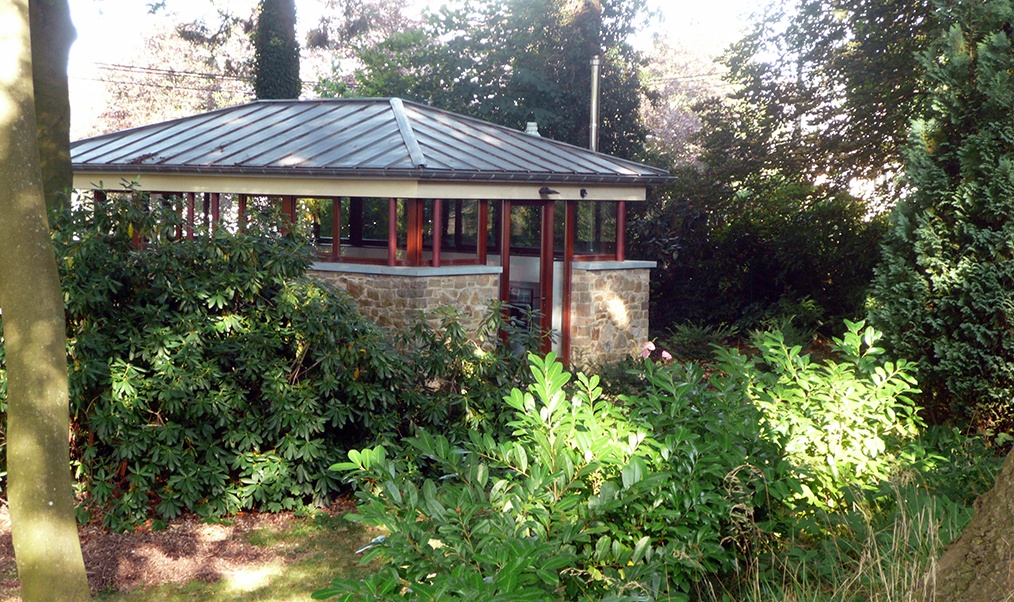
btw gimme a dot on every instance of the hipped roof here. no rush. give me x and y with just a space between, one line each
373 138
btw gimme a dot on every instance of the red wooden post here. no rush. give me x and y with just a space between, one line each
482 234
413 228
621 230
136 239
190 214
336 228
178 231
438 227
546 273
505 251
569 235
392 232
215 210
241 213
289 211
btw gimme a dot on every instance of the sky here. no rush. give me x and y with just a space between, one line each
110 30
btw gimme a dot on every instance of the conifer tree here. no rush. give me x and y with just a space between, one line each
945 288
276 51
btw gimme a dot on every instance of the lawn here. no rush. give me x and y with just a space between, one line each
261 557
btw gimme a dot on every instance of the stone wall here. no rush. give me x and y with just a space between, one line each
397 300
609 317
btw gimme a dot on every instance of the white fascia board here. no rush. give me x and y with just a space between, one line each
328 187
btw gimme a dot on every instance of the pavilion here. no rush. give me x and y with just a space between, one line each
412 207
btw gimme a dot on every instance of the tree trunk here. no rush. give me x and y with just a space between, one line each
46 545
52 35
978 566
276 51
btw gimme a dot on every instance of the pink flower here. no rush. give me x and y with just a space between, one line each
647 348
666 356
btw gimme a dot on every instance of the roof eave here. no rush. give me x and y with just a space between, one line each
430 175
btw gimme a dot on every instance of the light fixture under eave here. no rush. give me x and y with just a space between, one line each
546 190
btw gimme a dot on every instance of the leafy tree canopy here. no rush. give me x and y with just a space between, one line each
348 22
840 81
513 61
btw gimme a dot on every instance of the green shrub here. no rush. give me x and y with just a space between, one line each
952 464
587 499
210 375
744 247
840 423
884 541
693 341
464 375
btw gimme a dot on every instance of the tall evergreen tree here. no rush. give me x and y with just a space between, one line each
945 288
276 51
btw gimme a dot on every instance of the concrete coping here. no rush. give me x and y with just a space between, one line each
420 271
602 266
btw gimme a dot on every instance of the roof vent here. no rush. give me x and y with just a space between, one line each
533 129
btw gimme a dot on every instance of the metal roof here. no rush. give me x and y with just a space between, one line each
351 138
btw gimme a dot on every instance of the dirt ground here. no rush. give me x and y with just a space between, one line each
187 550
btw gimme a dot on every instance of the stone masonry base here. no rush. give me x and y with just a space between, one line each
609 316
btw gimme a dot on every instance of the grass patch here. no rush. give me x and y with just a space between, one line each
310 551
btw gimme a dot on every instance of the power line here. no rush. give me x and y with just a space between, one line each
157 71
142 84
680 78
247 79
174 73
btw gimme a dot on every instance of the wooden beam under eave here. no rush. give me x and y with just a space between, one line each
370 188
253 185
526 191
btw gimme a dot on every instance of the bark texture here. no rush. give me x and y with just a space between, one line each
276 51
40 494
978 566
52 35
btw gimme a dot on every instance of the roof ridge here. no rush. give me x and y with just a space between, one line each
407 133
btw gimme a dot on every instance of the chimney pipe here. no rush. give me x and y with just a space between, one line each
593 127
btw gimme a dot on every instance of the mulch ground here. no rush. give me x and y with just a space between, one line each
187 550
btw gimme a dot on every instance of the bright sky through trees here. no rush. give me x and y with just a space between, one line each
113 31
